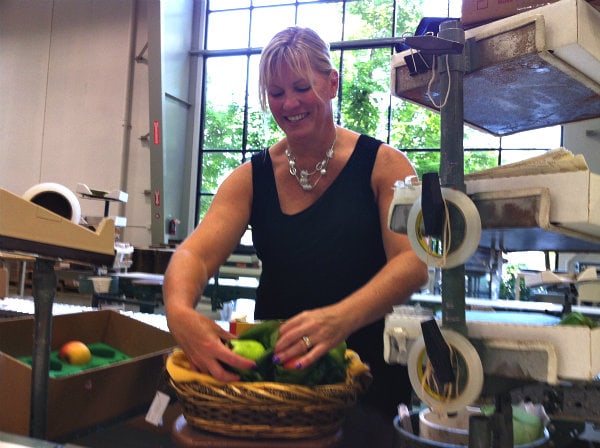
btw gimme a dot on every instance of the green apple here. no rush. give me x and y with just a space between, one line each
75 353
248 348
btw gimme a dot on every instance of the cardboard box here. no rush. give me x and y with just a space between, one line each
574 196
85 399
481 11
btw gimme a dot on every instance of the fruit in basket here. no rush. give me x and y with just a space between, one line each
256 351
338 354
329 369
265 332
258 342
248 348
291 364
75 353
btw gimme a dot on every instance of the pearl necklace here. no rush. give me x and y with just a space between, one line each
304 175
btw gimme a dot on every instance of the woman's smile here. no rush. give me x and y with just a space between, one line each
296 118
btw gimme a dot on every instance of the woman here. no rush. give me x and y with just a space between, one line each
317 202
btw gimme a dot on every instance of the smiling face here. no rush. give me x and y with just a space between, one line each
301 103
298 81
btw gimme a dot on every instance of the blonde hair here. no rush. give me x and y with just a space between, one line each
299 48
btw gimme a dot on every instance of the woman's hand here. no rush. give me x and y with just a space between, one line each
306 337
203 342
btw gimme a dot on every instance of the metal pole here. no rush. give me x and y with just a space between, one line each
451 68
480 432
503 436
44 290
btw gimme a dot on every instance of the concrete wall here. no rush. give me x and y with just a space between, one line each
74 101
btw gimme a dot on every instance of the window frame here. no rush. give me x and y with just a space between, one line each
248 52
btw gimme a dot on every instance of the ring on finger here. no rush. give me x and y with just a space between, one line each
307 342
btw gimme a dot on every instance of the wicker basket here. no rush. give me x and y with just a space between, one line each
268 409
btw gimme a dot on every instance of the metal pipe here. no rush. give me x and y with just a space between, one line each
503 436
358 44
480 432
451 68
44 289
128 112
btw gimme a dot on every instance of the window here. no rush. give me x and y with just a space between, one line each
233 126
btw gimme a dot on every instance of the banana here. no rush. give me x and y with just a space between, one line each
356 367
358 373
181 371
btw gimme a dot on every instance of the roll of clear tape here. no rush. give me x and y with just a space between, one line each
56 198
464 249
473 377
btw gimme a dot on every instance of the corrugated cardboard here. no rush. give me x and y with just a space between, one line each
93 396
481 11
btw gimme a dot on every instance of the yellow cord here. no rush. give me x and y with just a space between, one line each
449 390
440 262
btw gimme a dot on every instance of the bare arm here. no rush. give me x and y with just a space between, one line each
403 274
194 262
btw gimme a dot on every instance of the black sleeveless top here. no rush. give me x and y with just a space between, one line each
323 253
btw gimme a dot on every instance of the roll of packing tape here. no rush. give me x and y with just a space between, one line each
56 198
464 249
470 382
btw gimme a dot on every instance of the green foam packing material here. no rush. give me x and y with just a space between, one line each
102 355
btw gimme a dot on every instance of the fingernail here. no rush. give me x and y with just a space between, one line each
299 366
255 367
276 359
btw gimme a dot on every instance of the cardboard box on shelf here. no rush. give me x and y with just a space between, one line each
481 11
82 400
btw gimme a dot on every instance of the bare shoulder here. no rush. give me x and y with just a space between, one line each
392 164
388 153
235 192
239 179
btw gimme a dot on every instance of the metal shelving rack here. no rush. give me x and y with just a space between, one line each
514 75
469 77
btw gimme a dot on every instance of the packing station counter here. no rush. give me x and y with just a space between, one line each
33 402
32 383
